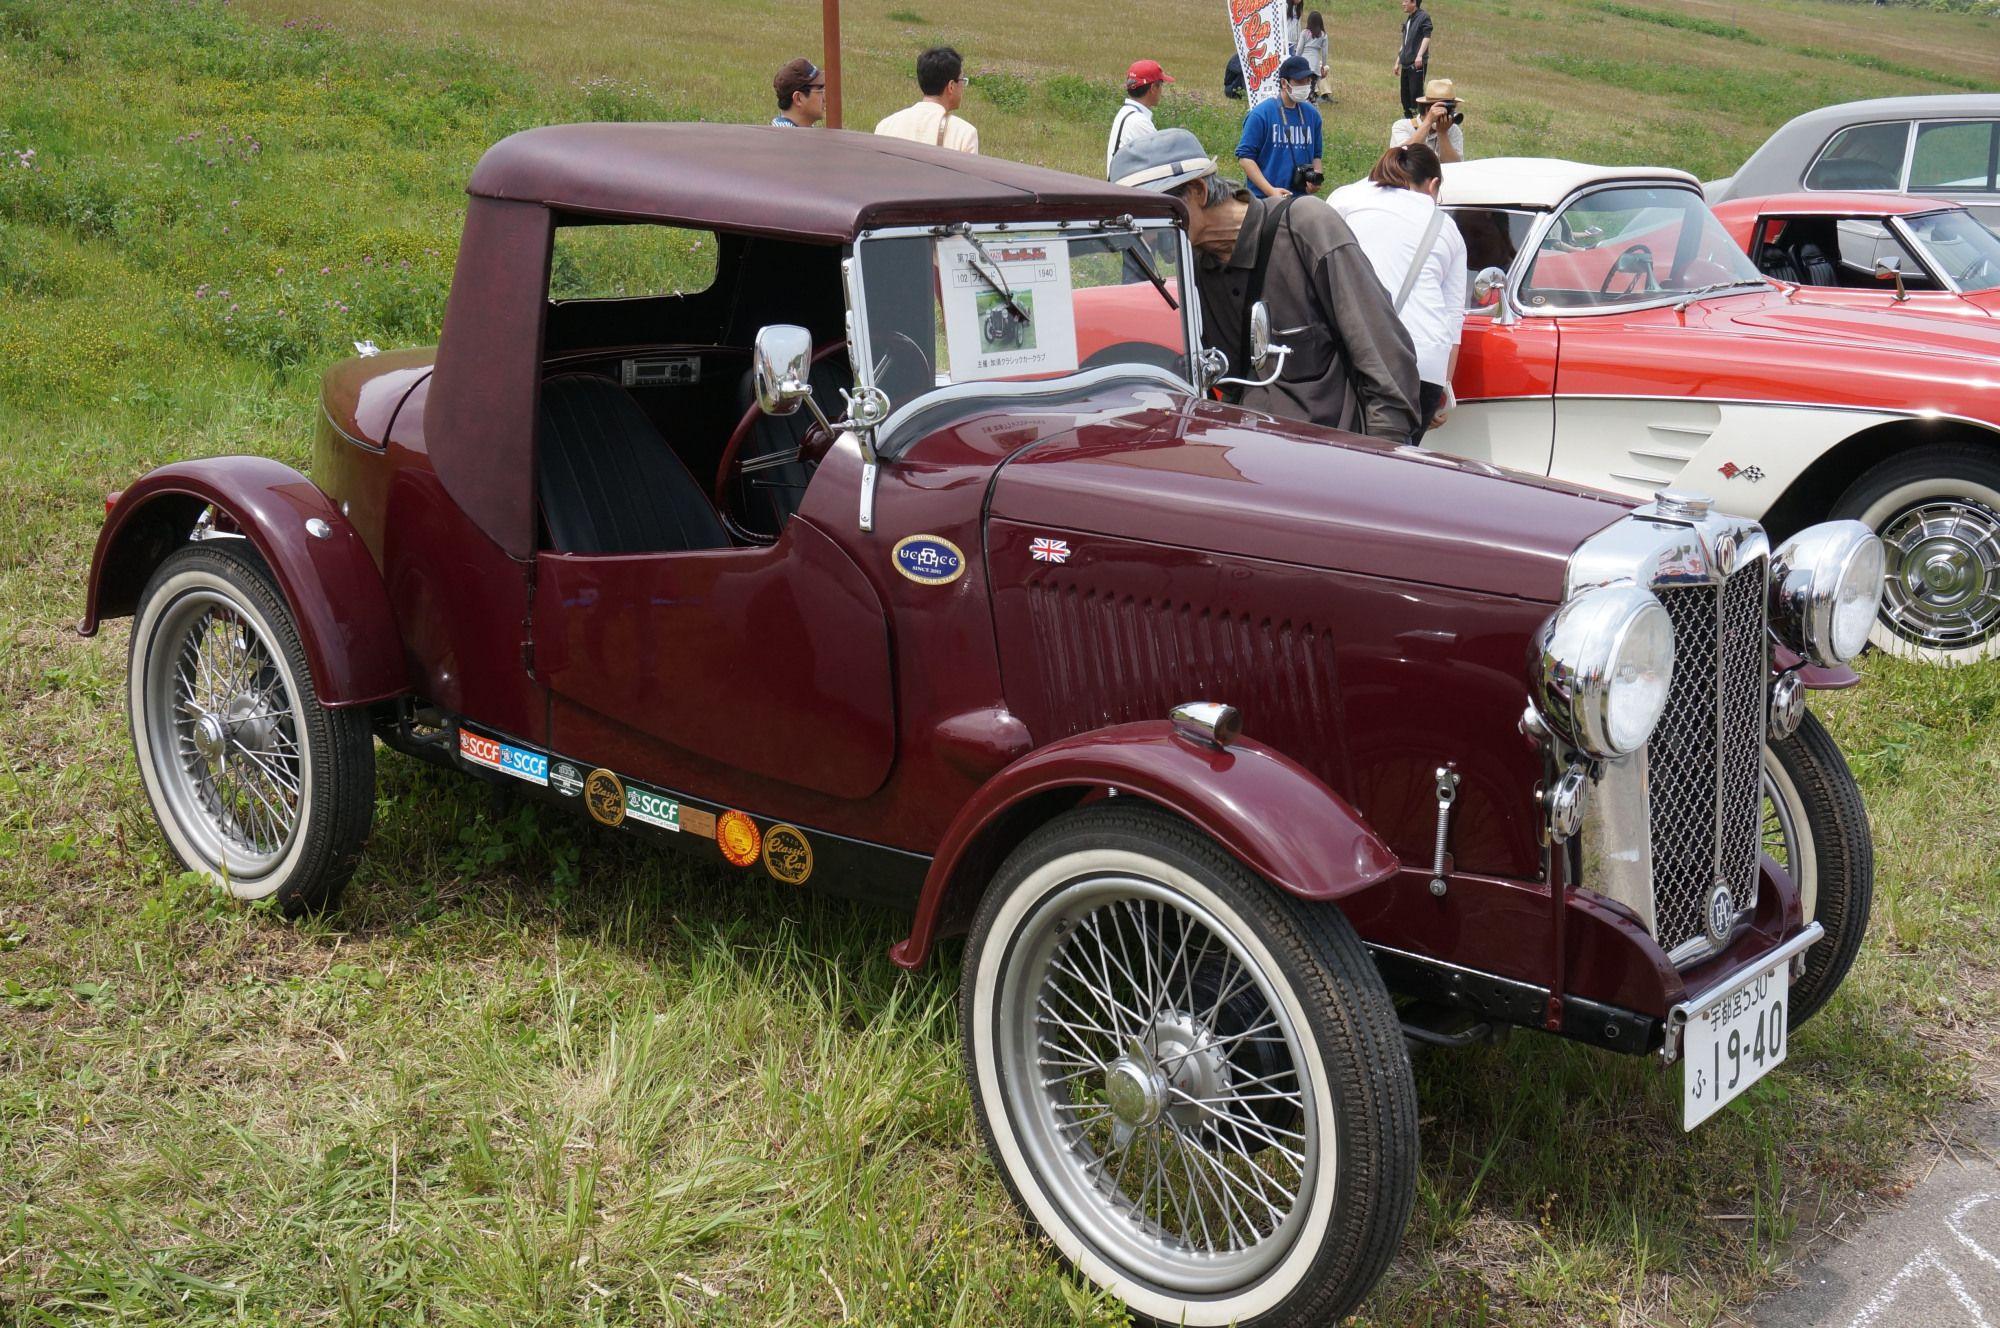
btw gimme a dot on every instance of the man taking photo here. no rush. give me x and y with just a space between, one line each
1437 124
1281 144
1352 365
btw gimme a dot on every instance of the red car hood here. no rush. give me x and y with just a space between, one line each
1880 331
1215 477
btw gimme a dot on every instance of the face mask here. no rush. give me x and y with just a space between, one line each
1300 91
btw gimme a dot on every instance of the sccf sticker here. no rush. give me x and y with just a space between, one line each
604 795
787 855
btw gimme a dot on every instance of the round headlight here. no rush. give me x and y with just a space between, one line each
1606 663
1826 588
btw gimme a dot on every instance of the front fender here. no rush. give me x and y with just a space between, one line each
332 585
1271 813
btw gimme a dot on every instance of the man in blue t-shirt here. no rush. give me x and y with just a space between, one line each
1281 134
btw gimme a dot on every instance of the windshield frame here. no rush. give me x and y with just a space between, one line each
1901 226
855 275
1531 248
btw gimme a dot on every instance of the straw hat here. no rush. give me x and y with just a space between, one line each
1439 89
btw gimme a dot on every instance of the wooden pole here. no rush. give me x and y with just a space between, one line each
830 25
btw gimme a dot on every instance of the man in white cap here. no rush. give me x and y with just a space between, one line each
1352 365
1436 123
1145 81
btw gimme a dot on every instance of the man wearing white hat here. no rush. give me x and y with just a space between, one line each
1436 124
1352 365
1145 81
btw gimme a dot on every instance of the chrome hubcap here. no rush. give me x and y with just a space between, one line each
1943 573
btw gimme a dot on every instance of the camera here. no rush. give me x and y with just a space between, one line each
1452 113
1306 180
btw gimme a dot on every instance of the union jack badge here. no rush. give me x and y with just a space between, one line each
1049 550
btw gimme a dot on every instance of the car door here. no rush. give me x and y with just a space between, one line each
1505 381
687 668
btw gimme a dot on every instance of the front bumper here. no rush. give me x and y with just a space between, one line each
1792 951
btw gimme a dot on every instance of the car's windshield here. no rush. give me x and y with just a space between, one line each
1635 244
1959 246
986 305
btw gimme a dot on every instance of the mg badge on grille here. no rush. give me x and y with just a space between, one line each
1721 914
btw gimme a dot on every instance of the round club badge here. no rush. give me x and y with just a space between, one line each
738 838
1721 914
787 855
604 795
929 560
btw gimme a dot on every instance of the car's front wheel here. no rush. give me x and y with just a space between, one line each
1937 509
1816 828
255 783
1195 1085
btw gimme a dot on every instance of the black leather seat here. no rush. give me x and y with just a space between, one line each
1775 262
1817 267
608 482
766 498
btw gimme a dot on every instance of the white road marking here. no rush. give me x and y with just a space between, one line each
1958 1215
1929 1259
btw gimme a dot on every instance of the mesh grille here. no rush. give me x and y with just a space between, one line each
1705 758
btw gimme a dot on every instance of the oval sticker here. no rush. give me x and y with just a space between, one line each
929 559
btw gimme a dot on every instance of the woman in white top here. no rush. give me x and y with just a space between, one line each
1313 47
1419 257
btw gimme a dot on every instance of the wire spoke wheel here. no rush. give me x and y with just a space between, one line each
1195 1084
255 783
1156 1075
235 774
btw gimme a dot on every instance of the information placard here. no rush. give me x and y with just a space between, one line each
989 335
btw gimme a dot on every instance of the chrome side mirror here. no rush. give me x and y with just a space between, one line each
782 362
1487 285
1885 268
1262 351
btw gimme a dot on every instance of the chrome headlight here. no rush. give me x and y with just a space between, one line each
1606 661
1826 588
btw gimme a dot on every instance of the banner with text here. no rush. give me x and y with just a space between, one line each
1259 26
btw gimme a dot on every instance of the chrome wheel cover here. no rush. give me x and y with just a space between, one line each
1153 1079
1942 573
224 735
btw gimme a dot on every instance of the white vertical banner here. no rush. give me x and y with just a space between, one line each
1259 28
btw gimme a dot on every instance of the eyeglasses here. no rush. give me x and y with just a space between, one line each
963 79
815 87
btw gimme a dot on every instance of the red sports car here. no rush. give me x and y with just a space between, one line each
1872 251
1621 338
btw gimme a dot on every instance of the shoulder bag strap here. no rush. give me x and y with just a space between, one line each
944 123
1424 247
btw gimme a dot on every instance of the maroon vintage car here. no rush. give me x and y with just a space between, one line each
909 559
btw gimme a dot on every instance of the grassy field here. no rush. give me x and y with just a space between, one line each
531 1074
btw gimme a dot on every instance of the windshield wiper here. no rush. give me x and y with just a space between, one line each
1144 259
1689 297
989 272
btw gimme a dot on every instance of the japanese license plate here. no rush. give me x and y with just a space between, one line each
1732 1042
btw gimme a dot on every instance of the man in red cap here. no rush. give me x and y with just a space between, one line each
1144 82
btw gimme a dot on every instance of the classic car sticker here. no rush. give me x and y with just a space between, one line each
787 855
696 821
566 778
1044 550
1730 470
652 807
929 560
504 757
738 838
604 795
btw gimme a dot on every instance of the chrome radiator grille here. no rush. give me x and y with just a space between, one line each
1704 761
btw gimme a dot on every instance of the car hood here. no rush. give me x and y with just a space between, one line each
1887 332
1208 476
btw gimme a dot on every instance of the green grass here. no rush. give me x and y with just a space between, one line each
530 1073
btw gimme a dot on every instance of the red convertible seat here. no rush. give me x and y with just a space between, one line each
608 481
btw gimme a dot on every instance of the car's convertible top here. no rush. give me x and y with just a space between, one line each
821 184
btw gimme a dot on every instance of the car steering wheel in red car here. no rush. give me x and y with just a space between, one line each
1636 263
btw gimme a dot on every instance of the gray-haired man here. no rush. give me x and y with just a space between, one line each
1352 364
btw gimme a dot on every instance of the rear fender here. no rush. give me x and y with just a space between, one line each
332 584
1271 813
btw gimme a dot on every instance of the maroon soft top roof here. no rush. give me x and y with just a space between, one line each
815 184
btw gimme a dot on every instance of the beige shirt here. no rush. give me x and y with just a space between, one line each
919 124
1405 131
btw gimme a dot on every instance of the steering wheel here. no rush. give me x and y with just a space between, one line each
730 467
1636 263
1981 270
